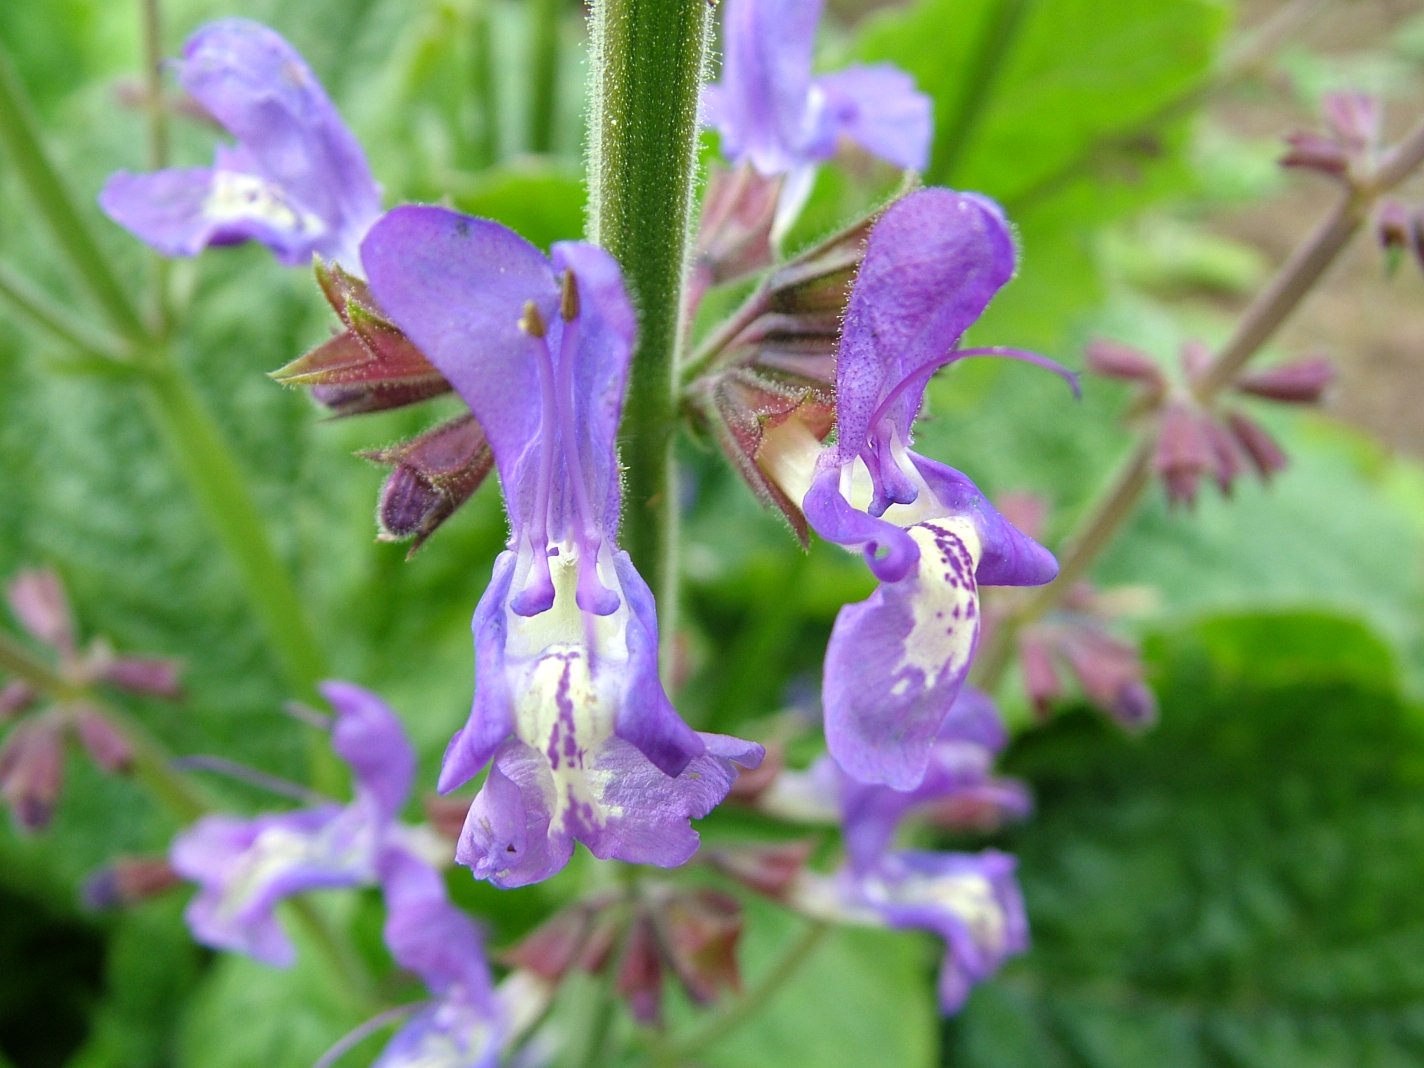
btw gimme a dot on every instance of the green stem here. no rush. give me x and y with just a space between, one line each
1296 279
219 483
57 319
648 65
19 136
990 58
151 16
755 999
544 95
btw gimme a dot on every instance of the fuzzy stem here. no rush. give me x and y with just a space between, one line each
57 319
1265 315
648 64
485 141
19 137
151 17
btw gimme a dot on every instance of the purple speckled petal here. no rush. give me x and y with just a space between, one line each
630 810
933 262
879 109
895 662
244 867
645 716
492 712
257 86
457 287
369 737
972 901
1008 556
762 102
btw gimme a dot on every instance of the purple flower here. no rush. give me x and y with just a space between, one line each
461 1026
773 114
896 661
970 900
568 703
296 180
245 867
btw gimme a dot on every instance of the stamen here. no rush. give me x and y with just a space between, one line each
569 298
531 322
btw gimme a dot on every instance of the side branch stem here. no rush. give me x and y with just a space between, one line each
1271 308
648 64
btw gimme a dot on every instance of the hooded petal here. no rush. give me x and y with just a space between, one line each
257 86
456 286
879 109
896 662
934 261
761 104
369 737
519 831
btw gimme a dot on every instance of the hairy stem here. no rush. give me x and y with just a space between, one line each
1265 315
57 319
648 64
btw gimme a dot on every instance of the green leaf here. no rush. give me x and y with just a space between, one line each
864 997
1240 886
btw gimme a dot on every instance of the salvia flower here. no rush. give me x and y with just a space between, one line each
295 180
245 867
896 662
568 705
773 114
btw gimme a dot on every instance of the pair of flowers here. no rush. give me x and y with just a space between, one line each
569 711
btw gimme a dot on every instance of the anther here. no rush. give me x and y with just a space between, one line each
569 298
531 322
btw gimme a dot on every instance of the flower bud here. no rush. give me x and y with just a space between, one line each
1260 448
640 972
558 944
434 474
1183 451
32 771
16 696
699 931
129 881
104 743
1110 672
769 870
734 239
1296 382
1353 118
1314 152
1114 360
38 601
147 675
1040 678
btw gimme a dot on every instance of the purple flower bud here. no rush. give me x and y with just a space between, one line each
1393 226
1313 152
640 973
16 696
37 599
1183 452
1225 460
32 771
129 881
698 932
1354 119
735 236
144 675
1110 672
434 474
1114 360
558 944
1040 677
768 870
1296 382
1260 448
104 743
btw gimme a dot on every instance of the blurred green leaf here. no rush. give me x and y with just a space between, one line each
1238 887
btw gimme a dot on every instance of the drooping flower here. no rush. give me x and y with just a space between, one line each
896 662
244 867
296 180
462 1025
775 116
568 704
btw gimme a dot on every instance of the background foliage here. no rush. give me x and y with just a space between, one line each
1240 886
